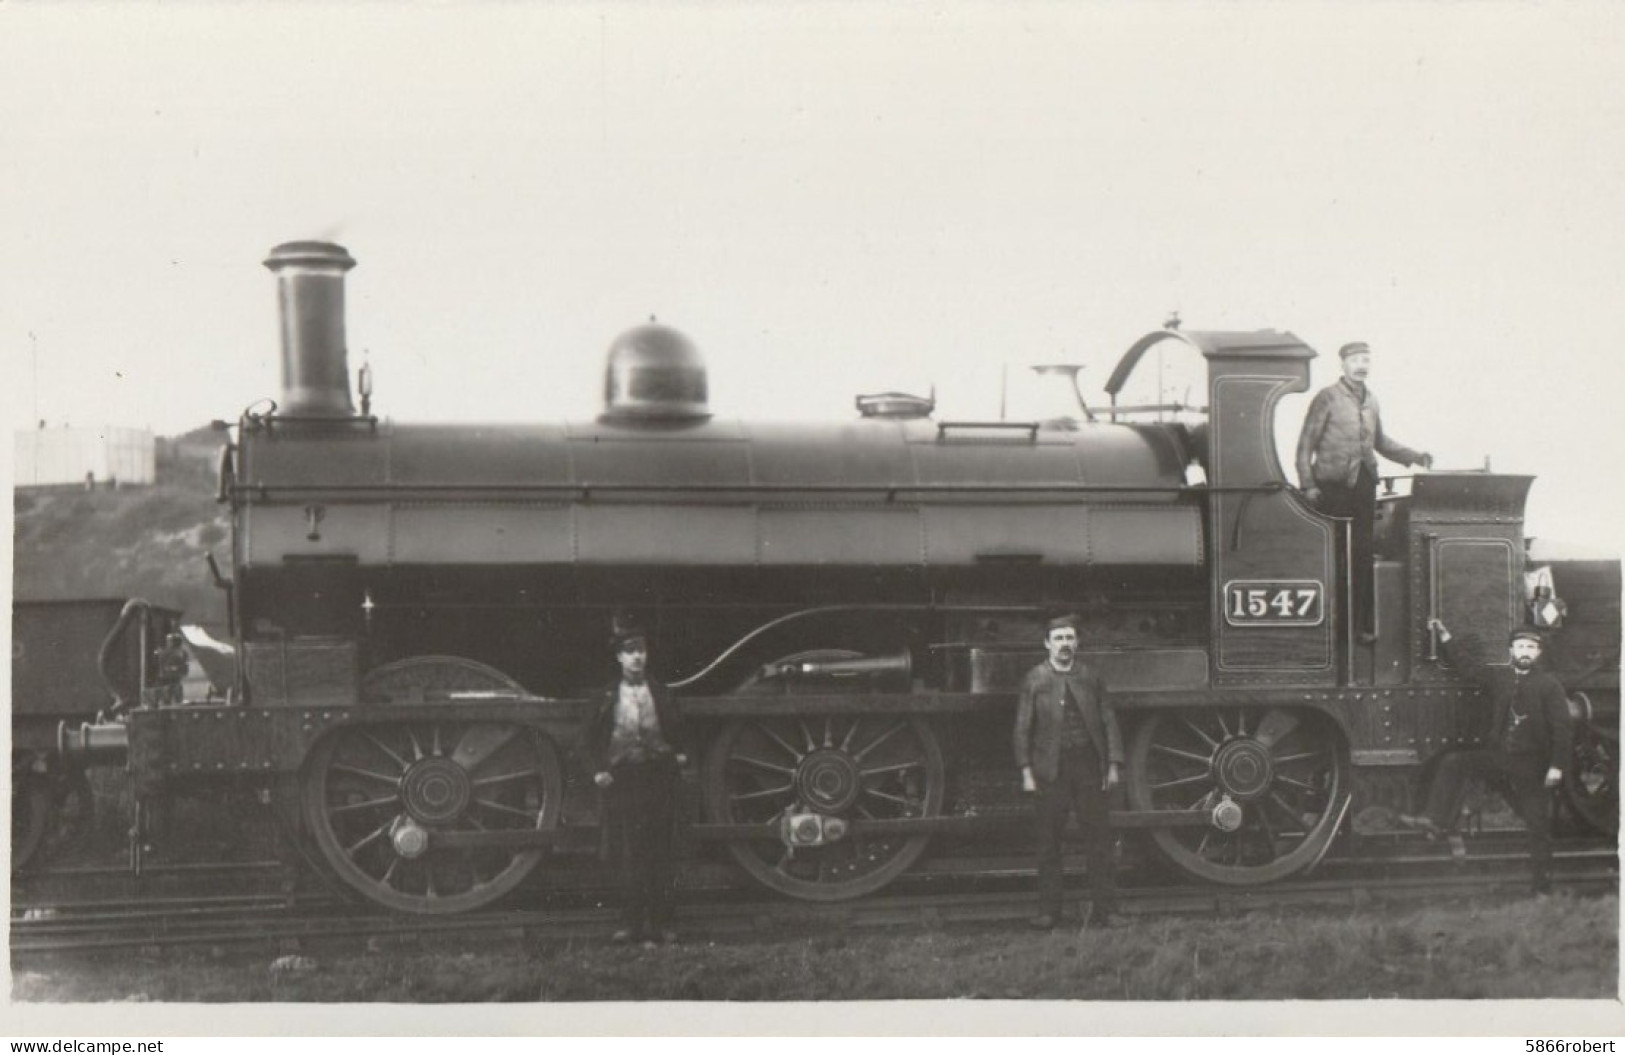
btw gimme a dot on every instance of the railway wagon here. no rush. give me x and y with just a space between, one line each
845 610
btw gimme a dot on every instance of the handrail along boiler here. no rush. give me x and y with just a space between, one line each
846 610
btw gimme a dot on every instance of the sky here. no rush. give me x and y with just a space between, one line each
829 199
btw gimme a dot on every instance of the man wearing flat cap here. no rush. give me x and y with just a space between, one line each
1070 750
1337 467
1530 738
634 744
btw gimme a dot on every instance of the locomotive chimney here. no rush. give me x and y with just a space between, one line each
310 298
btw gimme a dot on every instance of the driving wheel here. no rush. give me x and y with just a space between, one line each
1272 780
854 767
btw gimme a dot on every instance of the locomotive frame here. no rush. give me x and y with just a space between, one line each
844 610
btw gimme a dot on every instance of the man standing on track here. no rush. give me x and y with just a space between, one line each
1070 750
1529 743
634 743
1337 468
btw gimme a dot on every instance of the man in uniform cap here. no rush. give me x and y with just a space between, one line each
1069 749
1337 467
634 743
1530 738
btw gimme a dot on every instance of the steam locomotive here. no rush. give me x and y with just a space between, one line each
845 610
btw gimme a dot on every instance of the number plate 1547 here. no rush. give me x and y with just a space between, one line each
1288 602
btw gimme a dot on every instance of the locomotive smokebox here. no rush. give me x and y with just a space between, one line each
310 298
654 374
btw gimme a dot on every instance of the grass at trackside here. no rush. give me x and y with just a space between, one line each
1500 948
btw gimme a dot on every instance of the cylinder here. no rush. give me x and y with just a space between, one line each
310 299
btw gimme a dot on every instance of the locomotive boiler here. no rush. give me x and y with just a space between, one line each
845 610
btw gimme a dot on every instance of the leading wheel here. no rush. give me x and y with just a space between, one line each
1272 779
855 767
365 785
369 791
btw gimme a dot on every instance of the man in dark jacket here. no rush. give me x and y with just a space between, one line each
634 744
1337 467
1530 739
1069 749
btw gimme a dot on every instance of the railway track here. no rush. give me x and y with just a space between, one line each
985 891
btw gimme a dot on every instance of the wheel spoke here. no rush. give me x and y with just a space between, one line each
1268 832
760 794
763 764
882 738
1213 745
417 748
436 741
374 834
771 735
504 778
379 744
1180 781
1202 760
851 731
1285 807
887 796
891 769
382 778
1218 716
1308 789
828 729
812 745
1301 756
370 804
488 804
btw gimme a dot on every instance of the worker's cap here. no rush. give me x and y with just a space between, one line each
1353 348
1062 622
1526 633
625 629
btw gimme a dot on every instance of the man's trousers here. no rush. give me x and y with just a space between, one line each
642 808
1076 789
1520 778
1359 504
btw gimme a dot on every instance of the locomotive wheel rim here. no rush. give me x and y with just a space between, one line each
1288 822
1591 784
751 774
353 789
